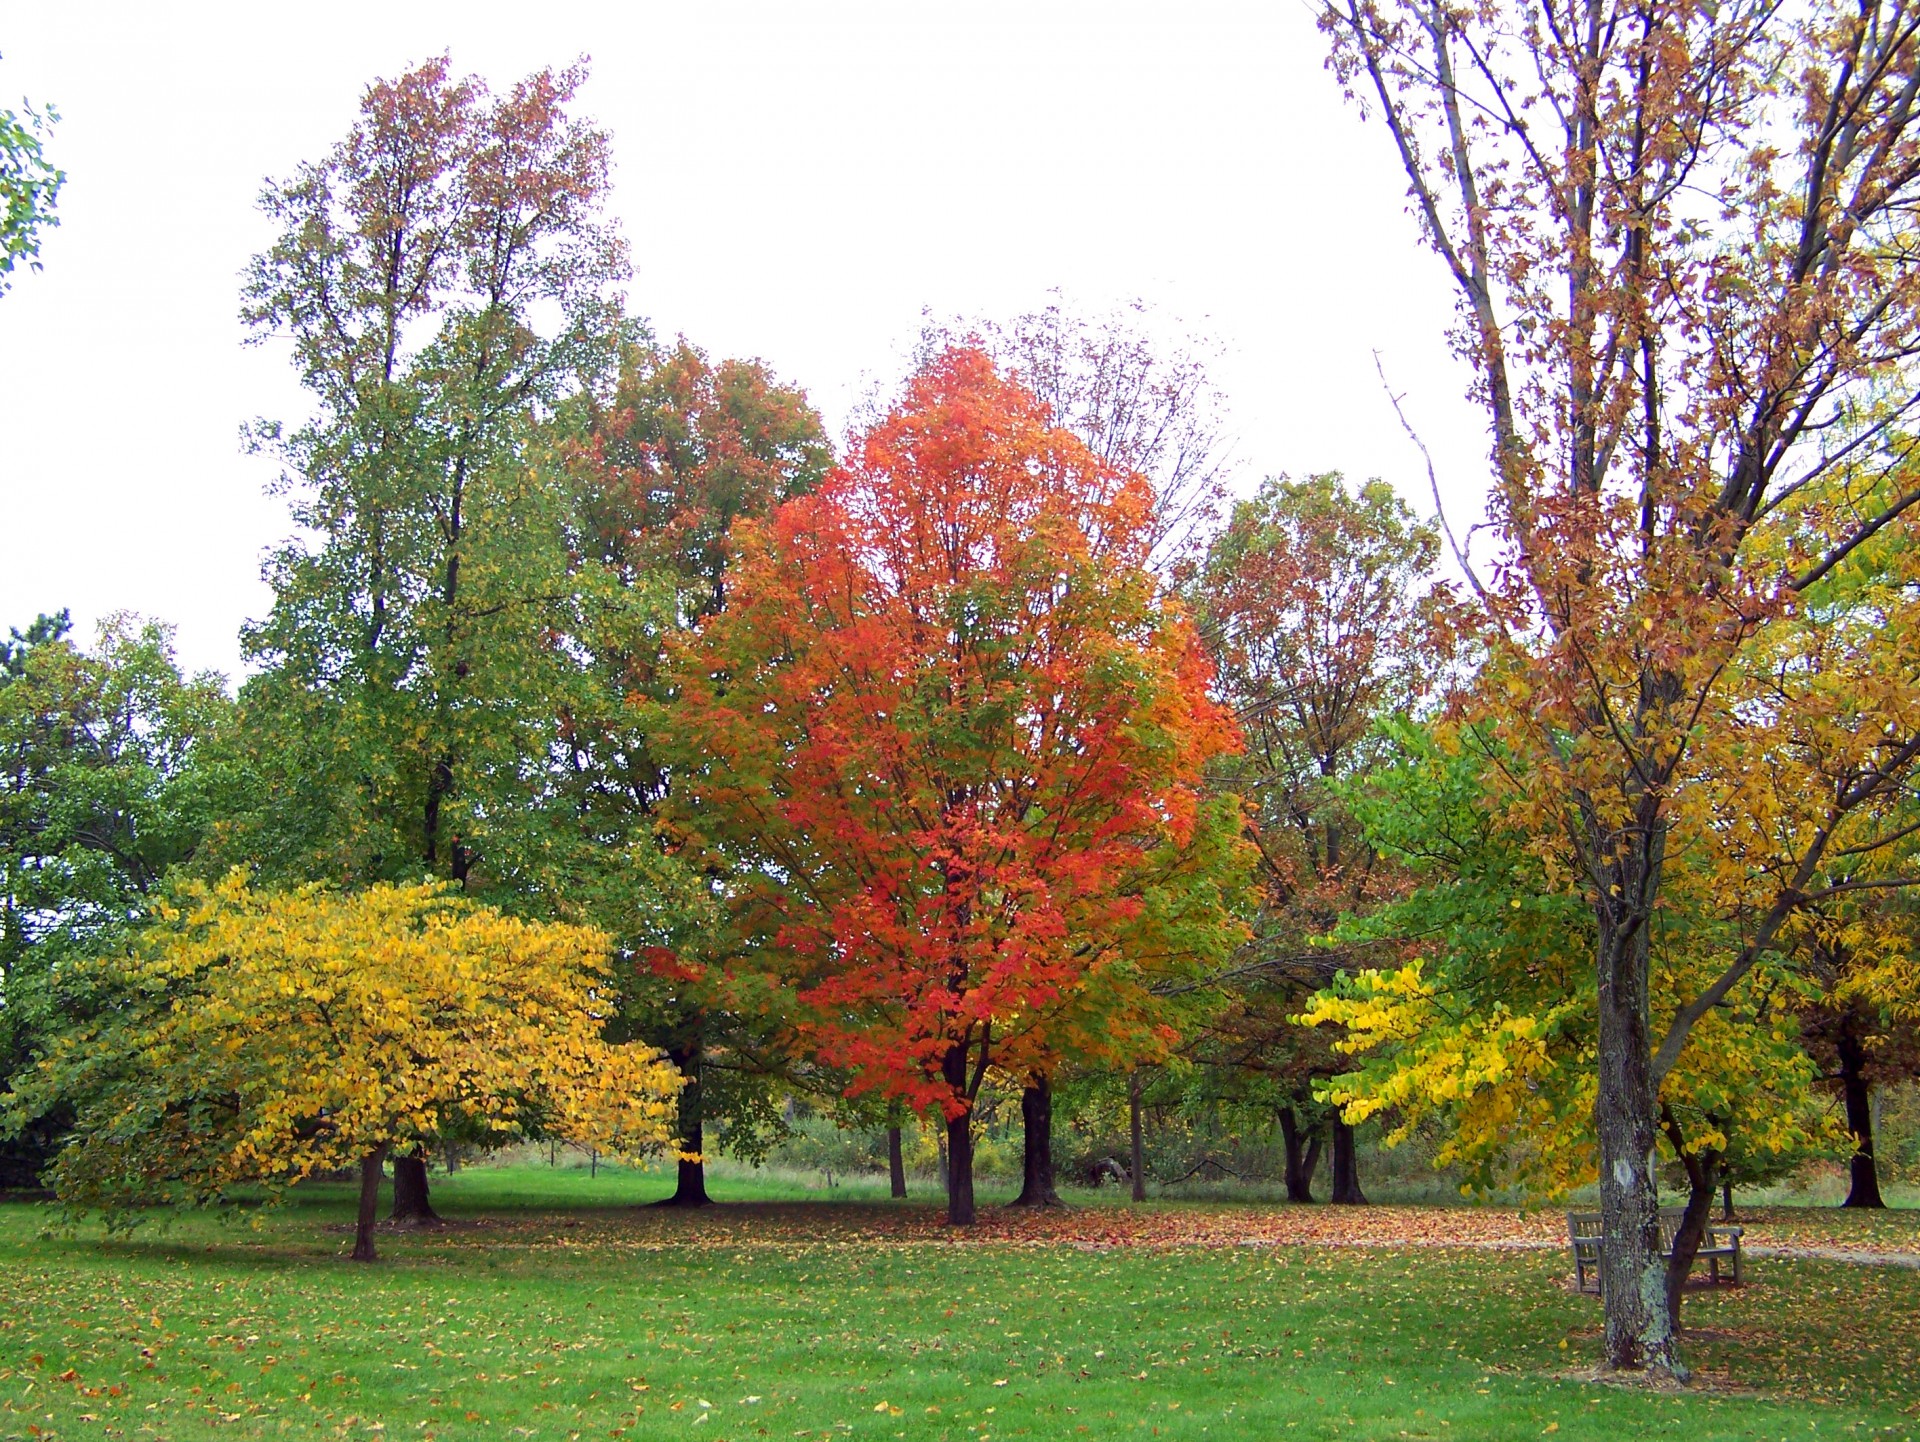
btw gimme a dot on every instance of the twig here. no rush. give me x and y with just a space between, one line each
1433 482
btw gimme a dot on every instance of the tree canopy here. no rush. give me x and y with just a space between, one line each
259 1036
949 741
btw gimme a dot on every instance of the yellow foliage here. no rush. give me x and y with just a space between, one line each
261 1036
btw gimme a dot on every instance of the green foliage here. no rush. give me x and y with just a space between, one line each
445 278
29 188
1484 1030
105 786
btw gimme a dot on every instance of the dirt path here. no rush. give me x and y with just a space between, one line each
1890 1240
1855 1255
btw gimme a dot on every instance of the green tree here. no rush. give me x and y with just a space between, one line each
445 278
105 787
683 449
1862 1024
1482 1029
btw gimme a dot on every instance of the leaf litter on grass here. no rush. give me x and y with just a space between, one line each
526 1322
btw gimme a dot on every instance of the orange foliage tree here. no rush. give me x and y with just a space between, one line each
947 741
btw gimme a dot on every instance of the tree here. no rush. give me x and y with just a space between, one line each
1482 1030
105 787
1861 1023
1138 403
1676 235
1319 605
683 449
259 1036
444 276
29 188
947 742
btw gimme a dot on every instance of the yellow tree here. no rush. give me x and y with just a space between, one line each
252 1036
1680 237
1484 1035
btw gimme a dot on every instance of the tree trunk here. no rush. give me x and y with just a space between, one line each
1703 1176
1346 1167
410 1201
959 1141
690 1186
1633 1275
370 1166
1865 1190
1303 1156
1726 1200
896 1164
1139 1156
1036 1114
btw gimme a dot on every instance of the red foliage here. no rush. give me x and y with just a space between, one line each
948 735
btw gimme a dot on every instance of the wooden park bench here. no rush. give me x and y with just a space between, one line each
1584 1231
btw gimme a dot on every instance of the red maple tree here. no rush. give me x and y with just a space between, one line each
948 740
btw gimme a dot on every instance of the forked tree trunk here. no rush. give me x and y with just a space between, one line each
1036 1114
1633 1275
1346 1167
370 1167
1864 1172
690 1184
959 1142
1303 1156
1139 1156
896 1164
410 1201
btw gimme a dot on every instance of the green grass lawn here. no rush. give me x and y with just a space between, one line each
551 1307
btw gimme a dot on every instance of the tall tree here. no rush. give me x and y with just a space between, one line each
947 739
105 787
1141 402
444 278
1678 238
1320 606
683 449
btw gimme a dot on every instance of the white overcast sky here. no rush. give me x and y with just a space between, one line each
797 178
